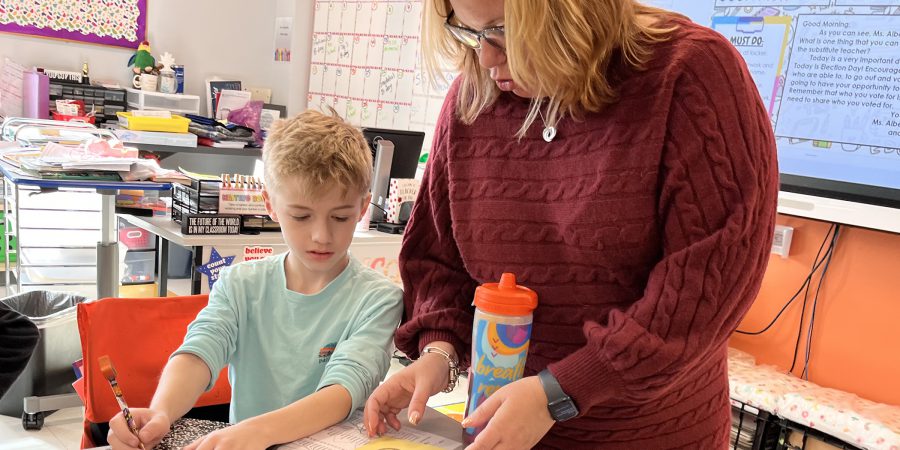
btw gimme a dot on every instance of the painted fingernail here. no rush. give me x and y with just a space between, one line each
414 418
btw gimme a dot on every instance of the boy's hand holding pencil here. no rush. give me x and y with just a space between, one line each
138 428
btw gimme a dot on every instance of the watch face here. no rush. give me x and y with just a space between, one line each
563 410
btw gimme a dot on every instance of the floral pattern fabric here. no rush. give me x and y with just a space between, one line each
860 422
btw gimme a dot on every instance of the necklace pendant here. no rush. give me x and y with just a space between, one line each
549 133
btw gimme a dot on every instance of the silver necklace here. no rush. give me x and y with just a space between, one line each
549 131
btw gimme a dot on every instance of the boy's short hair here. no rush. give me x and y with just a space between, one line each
318 150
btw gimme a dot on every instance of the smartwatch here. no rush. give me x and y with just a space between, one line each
561 406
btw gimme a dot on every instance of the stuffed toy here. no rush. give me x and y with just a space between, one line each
143 61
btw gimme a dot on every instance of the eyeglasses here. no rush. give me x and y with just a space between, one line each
472 39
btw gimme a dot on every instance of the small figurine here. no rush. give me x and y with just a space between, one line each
85 78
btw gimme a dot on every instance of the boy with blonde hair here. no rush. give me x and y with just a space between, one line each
305 335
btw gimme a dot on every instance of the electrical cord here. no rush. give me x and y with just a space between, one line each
805 284
812 317
804 287
818 262
382 209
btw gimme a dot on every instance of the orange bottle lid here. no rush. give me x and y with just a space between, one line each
506 297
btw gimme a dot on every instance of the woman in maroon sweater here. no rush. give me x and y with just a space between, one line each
618 159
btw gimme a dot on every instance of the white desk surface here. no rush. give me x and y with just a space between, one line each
170 230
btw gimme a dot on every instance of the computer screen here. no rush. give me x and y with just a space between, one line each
404 162
828 73
407 149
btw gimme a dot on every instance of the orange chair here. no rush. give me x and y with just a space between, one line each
139 335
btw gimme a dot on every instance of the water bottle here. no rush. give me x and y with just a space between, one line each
500 335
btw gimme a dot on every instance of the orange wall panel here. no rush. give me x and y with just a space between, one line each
856 337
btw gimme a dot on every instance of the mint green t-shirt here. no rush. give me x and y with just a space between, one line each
281 346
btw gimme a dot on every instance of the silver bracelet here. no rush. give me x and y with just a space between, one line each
454 367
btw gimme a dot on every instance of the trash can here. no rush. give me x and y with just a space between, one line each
49 371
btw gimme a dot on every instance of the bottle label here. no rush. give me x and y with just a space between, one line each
498 358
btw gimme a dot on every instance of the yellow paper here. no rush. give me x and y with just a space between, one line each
455 411
389 443
200 176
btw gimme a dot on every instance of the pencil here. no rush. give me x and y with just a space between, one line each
109 372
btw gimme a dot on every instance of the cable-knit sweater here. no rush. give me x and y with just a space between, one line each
644 228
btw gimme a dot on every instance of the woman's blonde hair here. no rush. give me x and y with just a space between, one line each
558 49
318 150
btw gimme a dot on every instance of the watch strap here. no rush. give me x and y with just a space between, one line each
551 386
559 404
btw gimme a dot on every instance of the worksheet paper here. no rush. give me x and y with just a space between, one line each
351 434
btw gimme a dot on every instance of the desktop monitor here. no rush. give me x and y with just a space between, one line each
395 154
829 78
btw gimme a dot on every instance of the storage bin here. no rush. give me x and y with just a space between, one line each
114 95
137 99
95 98
66 118
49 372
140 267
174 124
135 238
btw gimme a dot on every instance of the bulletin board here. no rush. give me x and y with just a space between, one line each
365 65
121 23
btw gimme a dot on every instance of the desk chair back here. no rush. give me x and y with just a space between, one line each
139 335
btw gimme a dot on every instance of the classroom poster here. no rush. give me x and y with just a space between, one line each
283 33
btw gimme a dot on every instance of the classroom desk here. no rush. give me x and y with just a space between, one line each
432 422
374 249
107 247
